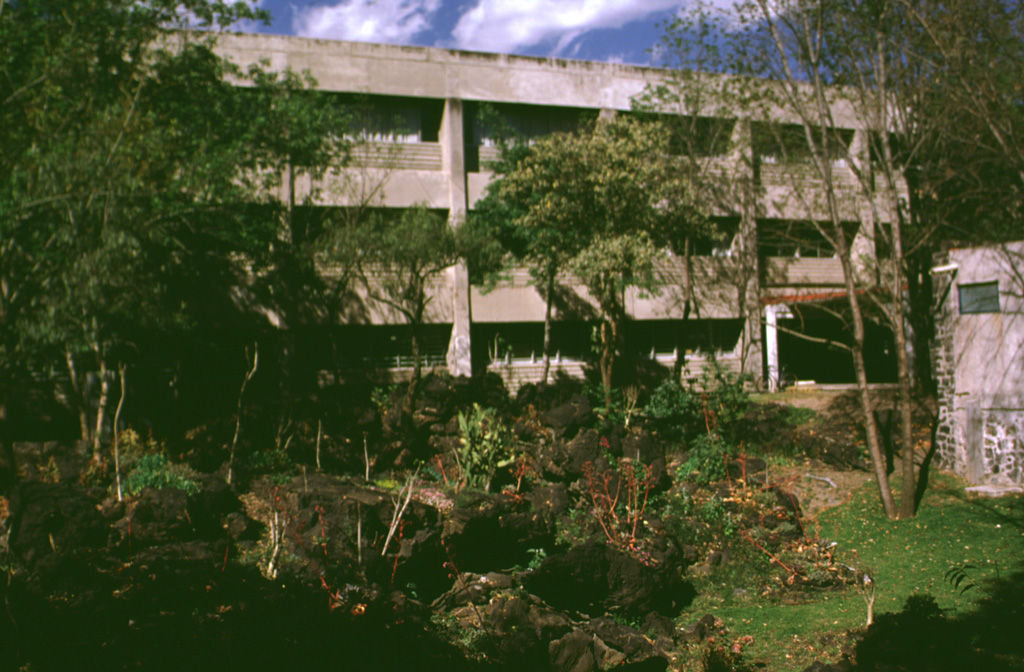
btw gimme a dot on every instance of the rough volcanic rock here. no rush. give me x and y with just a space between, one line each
53 519
596 577
564 461
566 419
157 517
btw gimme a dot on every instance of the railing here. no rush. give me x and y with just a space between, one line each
786 271
407 156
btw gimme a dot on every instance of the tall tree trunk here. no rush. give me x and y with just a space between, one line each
903 372
878 462
547 327
677 368
77 393
122 371
8 467
607 357
101 410
898 314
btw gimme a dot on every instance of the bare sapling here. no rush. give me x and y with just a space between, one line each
254 361
319 435
866 585
400 506
122 369
101 408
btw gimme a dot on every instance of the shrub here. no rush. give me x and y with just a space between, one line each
270 461
147 465
717 400
485 445
156 471
709 454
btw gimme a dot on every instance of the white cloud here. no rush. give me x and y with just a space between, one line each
388 21
507 26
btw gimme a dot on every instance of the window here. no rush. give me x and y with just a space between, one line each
979 297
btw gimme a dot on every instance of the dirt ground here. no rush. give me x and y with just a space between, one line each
820 486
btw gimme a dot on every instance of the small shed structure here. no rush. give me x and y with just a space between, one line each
978 360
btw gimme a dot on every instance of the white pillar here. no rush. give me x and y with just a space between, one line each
453 162
771 340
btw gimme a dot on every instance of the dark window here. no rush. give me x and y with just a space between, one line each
979 297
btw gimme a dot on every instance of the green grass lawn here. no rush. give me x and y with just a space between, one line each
906 558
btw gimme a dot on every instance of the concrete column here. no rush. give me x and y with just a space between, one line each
771 344
748 276
453 163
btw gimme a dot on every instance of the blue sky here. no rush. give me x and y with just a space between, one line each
621 31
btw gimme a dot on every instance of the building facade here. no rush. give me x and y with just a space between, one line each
978 358
426 142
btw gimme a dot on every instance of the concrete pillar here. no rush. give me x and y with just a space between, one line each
453 164
771 344
748 276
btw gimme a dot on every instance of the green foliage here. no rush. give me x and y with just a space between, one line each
485 444
800 415
270 461
146 464
600 204
712 404
538 557
674 409
127 148
575 527
156 471
960 578
707 461
471 640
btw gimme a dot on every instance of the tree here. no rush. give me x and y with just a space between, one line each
608 200
973 178
700 107
545 250
395 259
129 157
808 69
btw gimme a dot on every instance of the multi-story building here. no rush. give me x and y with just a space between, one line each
426 143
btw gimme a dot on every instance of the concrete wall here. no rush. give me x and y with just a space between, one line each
979 364
436 174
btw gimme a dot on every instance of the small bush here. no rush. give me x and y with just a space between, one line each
146 464
707 462
485 445
271 461
715 401
156 471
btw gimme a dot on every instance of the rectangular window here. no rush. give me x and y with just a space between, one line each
979 297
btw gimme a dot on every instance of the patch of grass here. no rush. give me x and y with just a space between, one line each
801 415
913 556
908 559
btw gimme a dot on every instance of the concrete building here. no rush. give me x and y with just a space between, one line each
978 357
428 145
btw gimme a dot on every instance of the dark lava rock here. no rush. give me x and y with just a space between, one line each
597 577
567 419
566 460
158 517
523 628
495 531
53 519
573 653
704 627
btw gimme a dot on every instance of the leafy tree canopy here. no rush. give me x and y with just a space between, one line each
600 204
132 158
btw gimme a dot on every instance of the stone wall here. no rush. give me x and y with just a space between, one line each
947 438
976 360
